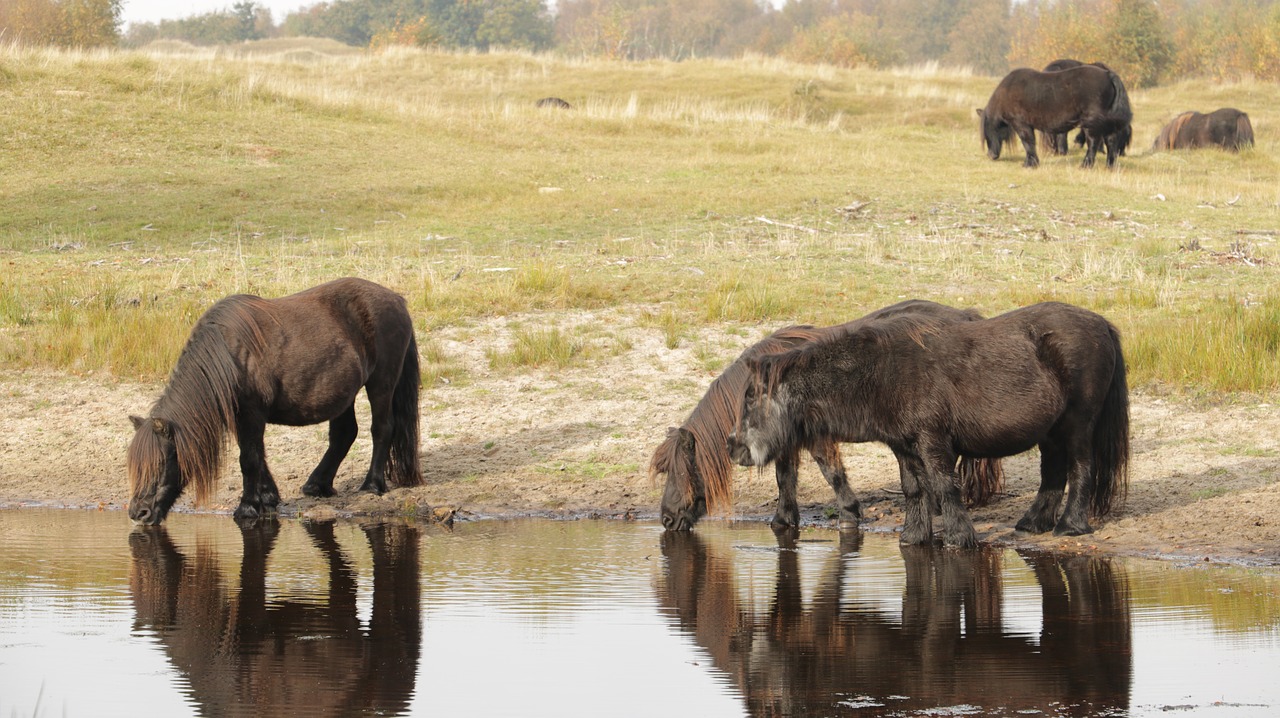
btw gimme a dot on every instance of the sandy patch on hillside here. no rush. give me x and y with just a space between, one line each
1205 480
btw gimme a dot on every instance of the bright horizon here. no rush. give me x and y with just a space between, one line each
138 11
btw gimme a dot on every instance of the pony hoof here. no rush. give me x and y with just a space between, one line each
1070 530
963 541
246 512
317 491
369 488
1031 526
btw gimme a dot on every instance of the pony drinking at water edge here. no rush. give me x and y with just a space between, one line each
1050 375
699 471
297 360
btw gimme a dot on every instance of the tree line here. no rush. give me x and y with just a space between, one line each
1145 41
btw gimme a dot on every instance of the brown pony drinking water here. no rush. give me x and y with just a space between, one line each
699 470
1051 375
1227 128
296 360
1089 97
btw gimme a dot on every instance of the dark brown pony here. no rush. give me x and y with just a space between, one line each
297 360
1057 143
697 466
1050 375
1089 97
1227 128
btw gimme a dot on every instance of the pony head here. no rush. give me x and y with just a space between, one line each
684 500
761 431
995 133
155 475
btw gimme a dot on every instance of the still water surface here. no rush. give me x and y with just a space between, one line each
591 618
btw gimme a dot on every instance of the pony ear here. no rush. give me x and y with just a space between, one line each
687 439
137 421
162 427
981 113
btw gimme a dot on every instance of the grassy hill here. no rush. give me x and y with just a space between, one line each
138 187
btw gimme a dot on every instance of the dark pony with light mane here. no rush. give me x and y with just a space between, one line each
1090 97
1227 128
1057 143
699 471
1051 375
297 360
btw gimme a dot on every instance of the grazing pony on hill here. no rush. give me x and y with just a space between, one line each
297 360
1050 375
1026 100
1227 128
697 465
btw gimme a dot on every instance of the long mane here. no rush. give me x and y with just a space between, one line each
713 418
200 399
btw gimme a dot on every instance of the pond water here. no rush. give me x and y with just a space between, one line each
591 618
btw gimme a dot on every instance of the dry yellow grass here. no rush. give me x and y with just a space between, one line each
142 186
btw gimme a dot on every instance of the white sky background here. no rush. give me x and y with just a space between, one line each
157 10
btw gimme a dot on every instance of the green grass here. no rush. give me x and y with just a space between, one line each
139 188
540 348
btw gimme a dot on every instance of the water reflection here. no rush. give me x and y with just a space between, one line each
244 655
948 647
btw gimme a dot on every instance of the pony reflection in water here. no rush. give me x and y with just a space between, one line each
244 655
948 647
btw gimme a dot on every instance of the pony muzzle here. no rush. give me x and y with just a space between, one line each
742 454
683 519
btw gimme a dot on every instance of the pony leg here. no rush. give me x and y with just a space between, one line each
788 512
939 475
917 525
1053 481
827 457
1091 150
260 495
1075 517
342 434
957 527
1028 137
380 427
1112 144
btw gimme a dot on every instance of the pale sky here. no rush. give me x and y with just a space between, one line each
157 10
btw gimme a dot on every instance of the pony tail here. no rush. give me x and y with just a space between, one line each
980 480
1120 104
1111 439
1244 132
402 461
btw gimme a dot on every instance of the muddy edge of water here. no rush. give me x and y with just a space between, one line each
1204 481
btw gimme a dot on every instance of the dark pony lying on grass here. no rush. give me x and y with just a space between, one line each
1227 128
297 360
1050 375
1057 143
699 470
1089 97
